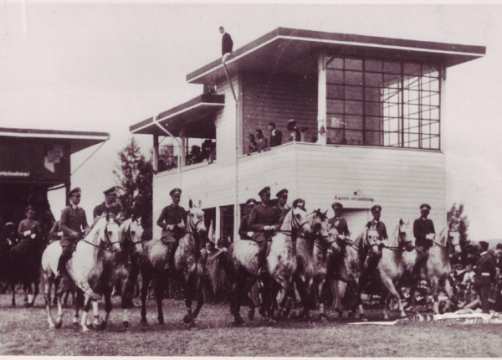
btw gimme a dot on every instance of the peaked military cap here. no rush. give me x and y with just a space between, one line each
174 191
297 202
281 192
266 188
376 208
110 190
484 245
74 190
251 201
337 204
427 206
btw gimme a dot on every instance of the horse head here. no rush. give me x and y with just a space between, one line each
107 233
319 223
297 221
195 219
132 234
403 240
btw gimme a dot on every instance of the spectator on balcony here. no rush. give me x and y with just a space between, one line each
275 135
261 141
195 155
252 146
206 149
294 132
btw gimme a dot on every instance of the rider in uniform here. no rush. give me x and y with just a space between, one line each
244 231
338 221
371 259
424 232
486 271
172 222
73 223
282 203
111 205
264 221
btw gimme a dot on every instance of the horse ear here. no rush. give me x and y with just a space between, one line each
401 221
190 203
200 204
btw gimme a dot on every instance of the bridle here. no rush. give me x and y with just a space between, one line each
108 243
296 226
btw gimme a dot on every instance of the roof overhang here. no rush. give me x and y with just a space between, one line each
194 116
78 140
296 50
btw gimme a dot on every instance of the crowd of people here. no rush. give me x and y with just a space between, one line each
258 142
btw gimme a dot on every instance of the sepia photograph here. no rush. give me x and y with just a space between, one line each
250 179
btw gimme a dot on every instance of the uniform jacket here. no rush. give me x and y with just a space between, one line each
486 267
422 227
172 215
72 218
102 208
340 224
263 215
380 228
227 44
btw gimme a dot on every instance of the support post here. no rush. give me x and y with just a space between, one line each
322 109
155 154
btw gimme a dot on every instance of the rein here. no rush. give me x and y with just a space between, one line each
107 245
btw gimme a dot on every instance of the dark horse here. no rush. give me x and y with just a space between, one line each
21 265
154 258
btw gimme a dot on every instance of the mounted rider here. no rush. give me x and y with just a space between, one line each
264 221
244 231
73 224
338 222
424 232
376 235
172 222
111 205
282 203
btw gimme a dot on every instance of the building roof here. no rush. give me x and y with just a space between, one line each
194 115
296 50
78 140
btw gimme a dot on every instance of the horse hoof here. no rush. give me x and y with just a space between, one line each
238 321
101 326
143 322
85 330
125 324
161 321
58 324
251 314
187 319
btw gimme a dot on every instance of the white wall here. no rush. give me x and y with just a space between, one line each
399 180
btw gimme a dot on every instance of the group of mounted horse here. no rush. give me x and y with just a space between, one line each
306 259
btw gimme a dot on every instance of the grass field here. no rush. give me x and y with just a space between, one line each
25 332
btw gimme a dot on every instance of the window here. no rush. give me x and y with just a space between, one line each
381 102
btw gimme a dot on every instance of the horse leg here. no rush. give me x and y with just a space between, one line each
78 302
13 288
47 296
389 285
85 313
435 294
237 292
188 290
159 293
339 289
108 308
145 282
304 296
199 296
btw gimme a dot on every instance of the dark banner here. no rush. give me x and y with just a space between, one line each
25 160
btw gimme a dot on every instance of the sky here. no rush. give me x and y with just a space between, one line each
102 66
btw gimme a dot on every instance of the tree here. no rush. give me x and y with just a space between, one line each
135 175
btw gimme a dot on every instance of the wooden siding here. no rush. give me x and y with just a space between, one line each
278 98
399 180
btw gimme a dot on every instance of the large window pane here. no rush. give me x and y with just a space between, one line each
383 103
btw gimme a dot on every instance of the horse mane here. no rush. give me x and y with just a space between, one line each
319 213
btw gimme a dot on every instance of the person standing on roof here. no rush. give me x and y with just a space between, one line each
227 43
